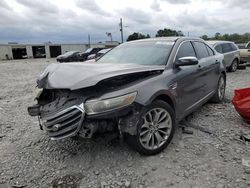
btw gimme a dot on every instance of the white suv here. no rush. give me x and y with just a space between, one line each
231 53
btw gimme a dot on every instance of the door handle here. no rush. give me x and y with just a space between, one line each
200 67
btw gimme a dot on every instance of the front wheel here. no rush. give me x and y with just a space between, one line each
220 90
155 129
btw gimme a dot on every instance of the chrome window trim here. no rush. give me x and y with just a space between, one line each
194 49
177 51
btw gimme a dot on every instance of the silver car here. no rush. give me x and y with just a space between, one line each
231 53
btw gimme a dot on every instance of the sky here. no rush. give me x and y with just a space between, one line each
70 21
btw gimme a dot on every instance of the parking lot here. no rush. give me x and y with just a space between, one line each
211 158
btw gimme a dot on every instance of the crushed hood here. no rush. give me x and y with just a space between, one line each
80 75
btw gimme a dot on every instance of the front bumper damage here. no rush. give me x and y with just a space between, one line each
69 121
64 123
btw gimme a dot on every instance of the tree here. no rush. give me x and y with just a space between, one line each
168 32
235 37
204 37
136 36
217 36
180 33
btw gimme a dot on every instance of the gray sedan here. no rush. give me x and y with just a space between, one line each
139 90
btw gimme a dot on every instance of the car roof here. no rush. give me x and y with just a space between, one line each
213 42
169 39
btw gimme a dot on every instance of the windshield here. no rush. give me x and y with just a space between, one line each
88 50
104 51
144 53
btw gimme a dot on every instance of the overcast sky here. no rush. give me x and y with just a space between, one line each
33 21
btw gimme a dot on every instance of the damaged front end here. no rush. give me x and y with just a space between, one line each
63 114
84 111
60 113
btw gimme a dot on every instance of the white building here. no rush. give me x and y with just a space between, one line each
48 50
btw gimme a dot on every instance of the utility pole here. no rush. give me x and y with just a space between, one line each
121 29
89 40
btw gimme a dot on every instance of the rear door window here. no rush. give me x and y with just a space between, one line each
201 50
233 47
226 47
186 50
210 51
218 48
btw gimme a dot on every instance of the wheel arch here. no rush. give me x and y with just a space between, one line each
237 59
224 74
166 98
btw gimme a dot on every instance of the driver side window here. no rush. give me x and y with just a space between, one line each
186 50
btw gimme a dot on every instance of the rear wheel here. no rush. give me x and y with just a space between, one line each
233 66
155 129
220 91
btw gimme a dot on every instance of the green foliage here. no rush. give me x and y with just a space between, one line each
160 33
136 36
204 37
237 38
168 32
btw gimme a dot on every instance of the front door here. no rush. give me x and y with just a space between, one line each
189 89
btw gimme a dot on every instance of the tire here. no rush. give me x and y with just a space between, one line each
220 90
152 137
233 67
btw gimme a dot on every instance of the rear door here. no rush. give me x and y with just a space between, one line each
208 68
228 54
218 48
236 51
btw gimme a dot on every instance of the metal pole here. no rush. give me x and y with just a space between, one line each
89 40
121 29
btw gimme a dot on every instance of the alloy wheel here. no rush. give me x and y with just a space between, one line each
156 128
234 66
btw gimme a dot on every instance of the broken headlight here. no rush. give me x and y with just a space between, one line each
99 106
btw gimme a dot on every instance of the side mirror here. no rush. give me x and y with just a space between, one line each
186 61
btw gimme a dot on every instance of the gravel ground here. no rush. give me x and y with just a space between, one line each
29 159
